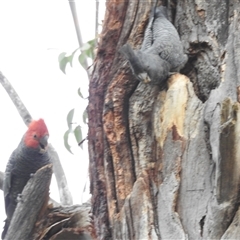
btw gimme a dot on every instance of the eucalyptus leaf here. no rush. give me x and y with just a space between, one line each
61 56
81 59
70 118
63 61
78 134
89 53
70 58
80 93
85 116
65 138
85 46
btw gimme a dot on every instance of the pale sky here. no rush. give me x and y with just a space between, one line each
33 34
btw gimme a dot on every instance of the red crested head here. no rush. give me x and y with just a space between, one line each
37 135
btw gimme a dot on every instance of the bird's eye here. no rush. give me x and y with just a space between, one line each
35 136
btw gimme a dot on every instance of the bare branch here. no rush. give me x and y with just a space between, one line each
79 35
65 195
96 22
22 110
35 194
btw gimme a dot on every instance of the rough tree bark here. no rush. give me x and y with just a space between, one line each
165 164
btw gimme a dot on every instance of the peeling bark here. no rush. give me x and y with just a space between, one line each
164 163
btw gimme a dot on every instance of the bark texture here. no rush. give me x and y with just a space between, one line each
35 219
165 164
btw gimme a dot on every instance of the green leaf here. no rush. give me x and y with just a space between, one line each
88 48
85 46
85 116
81 59
63 60
61 56
65 137
92 42
70 118
79 93
78 134
70 58
89 53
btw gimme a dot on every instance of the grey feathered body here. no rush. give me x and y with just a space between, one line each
23 162
155 68
166 43
161 51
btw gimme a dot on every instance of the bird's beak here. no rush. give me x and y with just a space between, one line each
43 142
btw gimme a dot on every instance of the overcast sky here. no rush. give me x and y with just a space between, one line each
33 34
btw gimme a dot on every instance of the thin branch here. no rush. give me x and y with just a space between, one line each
22 110
79 35
65 195
64 192
96 22
35 194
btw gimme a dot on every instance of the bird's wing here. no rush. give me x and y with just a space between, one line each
8 175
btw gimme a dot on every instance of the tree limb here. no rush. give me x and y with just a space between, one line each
64 192
22 110
36 195
65 195
96 22
79 35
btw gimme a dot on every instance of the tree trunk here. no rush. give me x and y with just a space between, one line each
165 164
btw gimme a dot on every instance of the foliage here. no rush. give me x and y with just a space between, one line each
86 51
76 131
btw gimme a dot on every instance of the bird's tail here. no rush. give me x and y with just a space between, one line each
5 228
133 59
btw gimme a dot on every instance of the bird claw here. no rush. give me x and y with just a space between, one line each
171 73
144 77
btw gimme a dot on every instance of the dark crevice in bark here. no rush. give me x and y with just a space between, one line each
201 223
207 139
126 107
196 69
129 229
209 149
131 219
154 200
173 4
110 174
